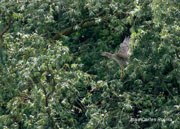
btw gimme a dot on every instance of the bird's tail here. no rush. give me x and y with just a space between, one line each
107 54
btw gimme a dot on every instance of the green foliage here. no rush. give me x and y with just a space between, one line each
53 75
38 82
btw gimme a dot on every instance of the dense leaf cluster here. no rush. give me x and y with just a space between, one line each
52 74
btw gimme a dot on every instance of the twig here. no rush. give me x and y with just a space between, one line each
7 28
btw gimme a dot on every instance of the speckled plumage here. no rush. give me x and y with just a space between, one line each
122 56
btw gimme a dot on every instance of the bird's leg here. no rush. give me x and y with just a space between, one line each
122 71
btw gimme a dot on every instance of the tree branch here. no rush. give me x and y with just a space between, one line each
85 24
7 28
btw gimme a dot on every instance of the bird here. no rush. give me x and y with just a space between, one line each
122 56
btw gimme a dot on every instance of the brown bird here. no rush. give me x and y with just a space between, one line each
122 56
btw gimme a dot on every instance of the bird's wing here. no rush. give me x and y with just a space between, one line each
124 47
